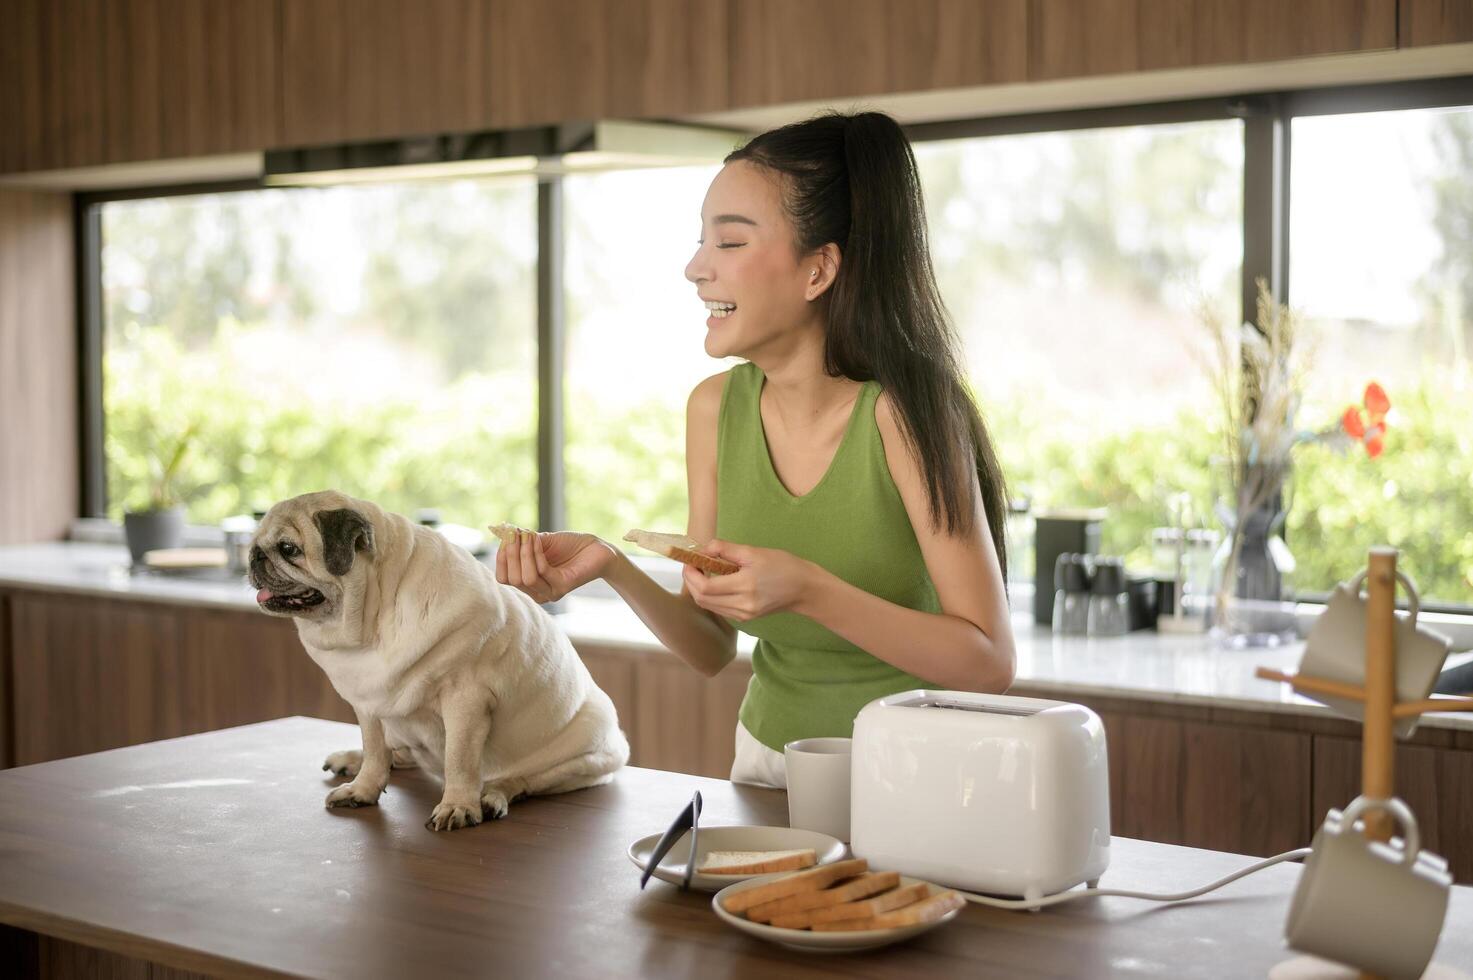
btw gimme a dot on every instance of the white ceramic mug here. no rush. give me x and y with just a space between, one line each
818 785
1335 650
1373 906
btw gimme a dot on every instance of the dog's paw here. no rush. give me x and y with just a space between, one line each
498 795
453 816
346 763
493 803
351 794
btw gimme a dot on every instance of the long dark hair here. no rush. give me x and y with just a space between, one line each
851 180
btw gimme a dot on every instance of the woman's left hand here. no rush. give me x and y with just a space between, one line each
770 580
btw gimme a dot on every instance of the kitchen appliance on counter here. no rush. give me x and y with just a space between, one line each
995 794
1055 533
238 531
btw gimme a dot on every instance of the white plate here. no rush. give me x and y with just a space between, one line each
826 942
179 559
672 865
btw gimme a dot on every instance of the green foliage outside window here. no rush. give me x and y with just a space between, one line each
470 453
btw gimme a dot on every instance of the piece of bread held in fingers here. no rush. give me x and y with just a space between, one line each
506 533
683 549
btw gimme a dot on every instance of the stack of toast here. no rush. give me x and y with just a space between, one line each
842 897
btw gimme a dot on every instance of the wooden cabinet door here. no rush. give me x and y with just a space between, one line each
613 672
826 49
90 674
1222 787
560 60
1071 38
249 667
366 69
685 722
1437 783
1434 22
363 69
90 82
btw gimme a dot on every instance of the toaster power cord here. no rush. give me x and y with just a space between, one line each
1069 896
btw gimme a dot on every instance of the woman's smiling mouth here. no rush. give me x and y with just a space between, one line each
720 310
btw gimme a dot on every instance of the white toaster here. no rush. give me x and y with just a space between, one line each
994 794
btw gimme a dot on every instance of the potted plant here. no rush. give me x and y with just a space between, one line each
160 524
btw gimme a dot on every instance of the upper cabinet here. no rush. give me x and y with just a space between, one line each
823 49
89 82
104 81
587 59
367 69
1068 38
1435 22
364 69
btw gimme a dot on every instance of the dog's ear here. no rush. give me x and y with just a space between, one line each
345 532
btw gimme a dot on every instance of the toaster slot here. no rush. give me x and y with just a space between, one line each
955 704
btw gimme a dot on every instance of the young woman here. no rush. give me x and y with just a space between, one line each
844 467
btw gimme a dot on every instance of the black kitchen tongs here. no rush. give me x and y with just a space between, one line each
688 819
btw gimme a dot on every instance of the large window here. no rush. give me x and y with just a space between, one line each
1381 263
382 339
635 344
378 340
1075 266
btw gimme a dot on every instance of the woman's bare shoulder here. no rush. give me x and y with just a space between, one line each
705 398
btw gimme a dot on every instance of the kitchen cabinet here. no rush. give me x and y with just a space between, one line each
380 69
87 673
1434 22
1436 783
96 81
362 69
1072 38
557 60
829 49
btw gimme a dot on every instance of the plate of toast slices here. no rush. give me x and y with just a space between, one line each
838 907
725 855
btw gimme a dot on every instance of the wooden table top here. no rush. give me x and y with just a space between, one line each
214 853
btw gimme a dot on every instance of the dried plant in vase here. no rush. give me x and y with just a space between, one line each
1259 377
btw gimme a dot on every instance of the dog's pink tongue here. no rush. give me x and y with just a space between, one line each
263 595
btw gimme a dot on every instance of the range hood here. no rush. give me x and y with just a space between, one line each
544 151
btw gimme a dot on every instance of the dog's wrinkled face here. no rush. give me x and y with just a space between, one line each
305 553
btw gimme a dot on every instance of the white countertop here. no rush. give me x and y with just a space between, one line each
1154 666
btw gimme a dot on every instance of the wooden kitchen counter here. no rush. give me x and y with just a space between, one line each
213 853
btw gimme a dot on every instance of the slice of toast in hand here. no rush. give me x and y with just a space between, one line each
682 549
756 862
926 910
506 533
810 879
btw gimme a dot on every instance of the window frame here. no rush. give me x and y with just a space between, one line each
1268 155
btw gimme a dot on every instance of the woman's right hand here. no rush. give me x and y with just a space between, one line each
549 565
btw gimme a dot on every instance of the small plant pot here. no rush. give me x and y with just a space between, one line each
153 529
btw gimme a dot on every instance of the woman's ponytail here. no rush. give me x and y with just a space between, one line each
852 180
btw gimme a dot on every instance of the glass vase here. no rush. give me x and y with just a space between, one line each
1251 576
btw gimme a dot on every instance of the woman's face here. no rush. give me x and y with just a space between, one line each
747 260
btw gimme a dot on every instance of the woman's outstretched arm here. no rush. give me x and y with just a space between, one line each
548 566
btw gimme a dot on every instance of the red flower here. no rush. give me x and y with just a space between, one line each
1374 445
1352 424
1376 402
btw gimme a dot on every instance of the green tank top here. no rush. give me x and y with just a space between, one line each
806 680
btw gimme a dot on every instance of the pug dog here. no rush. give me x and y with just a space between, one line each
445 667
